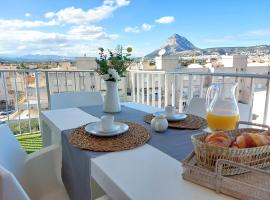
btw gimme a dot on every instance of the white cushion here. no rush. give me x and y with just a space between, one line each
12 155
10 188
75 99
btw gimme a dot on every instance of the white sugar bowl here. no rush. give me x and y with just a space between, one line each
159 123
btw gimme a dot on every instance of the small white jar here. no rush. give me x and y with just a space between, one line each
159 123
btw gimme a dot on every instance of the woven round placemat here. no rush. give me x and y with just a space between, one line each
136 135
191 122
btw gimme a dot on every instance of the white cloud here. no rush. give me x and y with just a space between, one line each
259 32
49 14
27 41
91 32
146 27
134 29
244 36
165 20
78 40
122 2
137 29
30 41
27 14
72 15
18 24
23 36
85 30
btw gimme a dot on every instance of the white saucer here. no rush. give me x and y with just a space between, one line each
175 117
95 129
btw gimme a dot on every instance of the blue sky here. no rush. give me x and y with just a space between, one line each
75 27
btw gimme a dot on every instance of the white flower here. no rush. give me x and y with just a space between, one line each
116 77
112 71
114 74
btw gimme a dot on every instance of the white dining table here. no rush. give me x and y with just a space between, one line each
143 173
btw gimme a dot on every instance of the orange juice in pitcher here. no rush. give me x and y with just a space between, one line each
221 122
222 108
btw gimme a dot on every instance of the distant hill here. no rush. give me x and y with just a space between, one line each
34 58
179 45
260 49
2 60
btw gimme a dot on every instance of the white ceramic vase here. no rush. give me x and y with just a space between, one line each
159 123
111 100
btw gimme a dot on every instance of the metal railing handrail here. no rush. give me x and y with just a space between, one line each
42 70
236 74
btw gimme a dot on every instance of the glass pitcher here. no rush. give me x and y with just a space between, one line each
221 106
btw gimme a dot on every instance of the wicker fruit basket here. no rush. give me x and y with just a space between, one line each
253 185
207 155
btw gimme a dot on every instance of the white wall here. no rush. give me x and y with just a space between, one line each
86 63
227 61
167 63
2 89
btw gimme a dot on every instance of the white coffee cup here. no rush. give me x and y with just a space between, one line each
170 110
107 122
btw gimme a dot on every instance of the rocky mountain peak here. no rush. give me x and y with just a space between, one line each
174 44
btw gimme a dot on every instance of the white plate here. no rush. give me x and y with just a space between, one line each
95 129
175 117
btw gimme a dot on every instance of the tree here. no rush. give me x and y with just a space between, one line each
22 66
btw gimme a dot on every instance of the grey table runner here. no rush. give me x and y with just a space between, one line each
76 162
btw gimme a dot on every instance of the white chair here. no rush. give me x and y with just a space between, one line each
197 107
75 99
244 110
10 188
34 176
